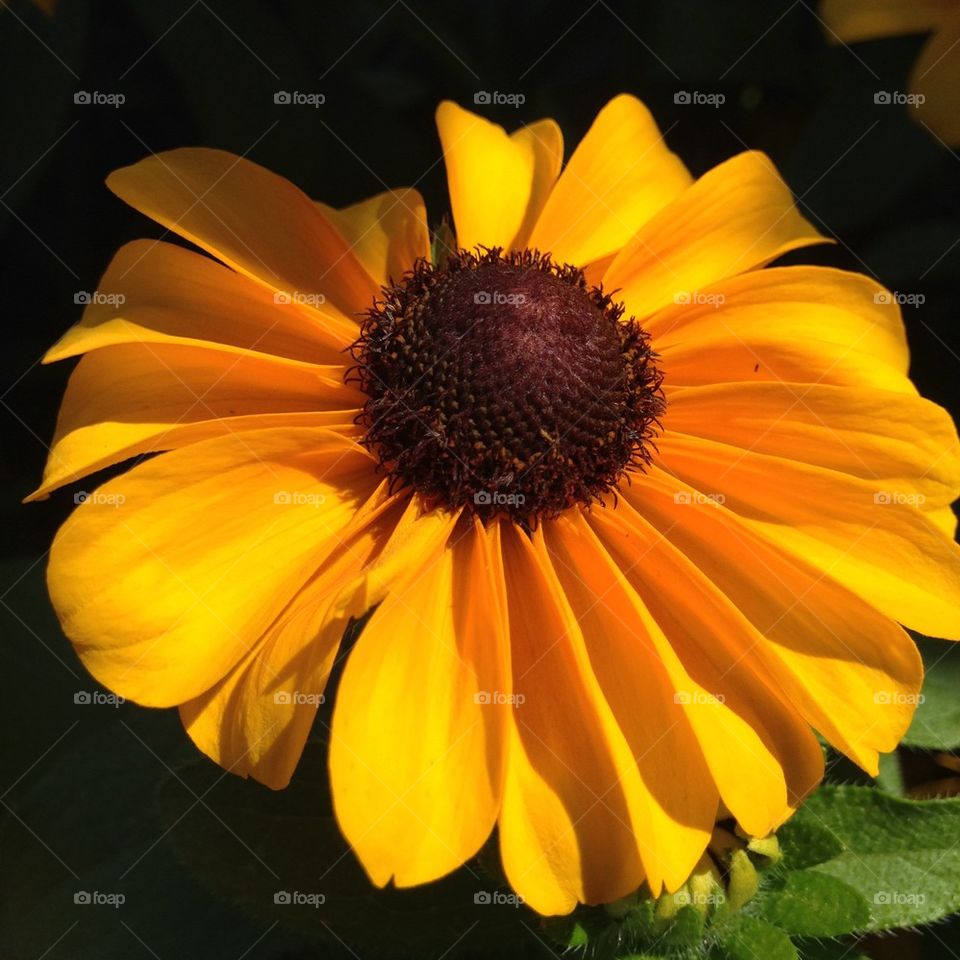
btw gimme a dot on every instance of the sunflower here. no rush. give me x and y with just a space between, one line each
935 78
635 512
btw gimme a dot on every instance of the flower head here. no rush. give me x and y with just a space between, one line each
636 511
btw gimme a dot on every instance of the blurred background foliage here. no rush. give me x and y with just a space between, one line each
115 798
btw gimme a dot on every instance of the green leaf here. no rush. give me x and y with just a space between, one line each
750 938
936 724
805 843
813 904
897 853
890 777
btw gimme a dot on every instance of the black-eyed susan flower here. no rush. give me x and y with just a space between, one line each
637 512
934 83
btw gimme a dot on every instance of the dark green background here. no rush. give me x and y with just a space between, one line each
102 798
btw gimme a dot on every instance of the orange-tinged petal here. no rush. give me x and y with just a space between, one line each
256 720
137 398
417 746
853 20
253 220
875 543
155 292
849 670
167 575
572 801
490 176
620 175
762 756
936 75
679 811
386 233
737 216
903 443
794 324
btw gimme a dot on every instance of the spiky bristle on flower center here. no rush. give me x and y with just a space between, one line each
505 384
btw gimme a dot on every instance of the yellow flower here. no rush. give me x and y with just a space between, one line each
624 563
934 82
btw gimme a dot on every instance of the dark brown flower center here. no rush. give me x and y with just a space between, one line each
505 384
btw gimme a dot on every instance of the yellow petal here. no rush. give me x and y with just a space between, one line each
490 176
572 802
881 547
165 576
251 219
155 292
851 672
679 811
794 324
620 175
936 75
136 398
256 720
854 20
545 139
762 756
417 746
386 233
903 443
735 217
